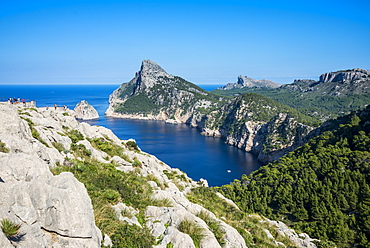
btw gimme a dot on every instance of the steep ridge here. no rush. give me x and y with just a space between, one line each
247 82
250 122
322 188
135 199
154 94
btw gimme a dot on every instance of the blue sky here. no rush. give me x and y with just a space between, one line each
205 42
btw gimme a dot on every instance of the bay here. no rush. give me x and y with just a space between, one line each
179 146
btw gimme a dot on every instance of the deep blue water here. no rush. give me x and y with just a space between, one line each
177 145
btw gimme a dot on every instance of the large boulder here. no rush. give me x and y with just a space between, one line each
85 111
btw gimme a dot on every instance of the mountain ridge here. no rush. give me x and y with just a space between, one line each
334 94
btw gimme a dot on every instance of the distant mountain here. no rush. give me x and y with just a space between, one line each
154 94
247 82
336 93
340 83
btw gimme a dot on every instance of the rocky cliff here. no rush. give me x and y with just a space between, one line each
258 124
85 111
135 199
247 82
154 94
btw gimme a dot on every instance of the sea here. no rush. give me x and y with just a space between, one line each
179 146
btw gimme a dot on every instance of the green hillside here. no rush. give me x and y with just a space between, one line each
321 188
335 94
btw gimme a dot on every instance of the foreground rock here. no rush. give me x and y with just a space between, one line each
55 211
85 111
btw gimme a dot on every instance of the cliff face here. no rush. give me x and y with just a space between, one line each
56 211
257 124
247 82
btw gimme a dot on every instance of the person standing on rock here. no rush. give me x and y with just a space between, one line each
55 106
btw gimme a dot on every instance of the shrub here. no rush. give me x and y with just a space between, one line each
193 230
214 226
80 150
9 228
75 135
108 147
132 145
58 146
3 148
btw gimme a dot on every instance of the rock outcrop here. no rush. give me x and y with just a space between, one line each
342 76
85 111
54 211
247 82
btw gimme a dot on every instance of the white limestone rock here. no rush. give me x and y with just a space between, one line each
85 111
55 211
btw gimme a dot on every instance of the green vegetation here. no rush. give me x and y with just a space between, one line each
214 226
80 150
75 135
132 146
193 230
108 147
106 186
9 228
138 104
3 147
58 146
250 226
321 188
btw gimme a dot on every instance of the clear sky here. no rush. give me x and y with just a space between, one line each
203 41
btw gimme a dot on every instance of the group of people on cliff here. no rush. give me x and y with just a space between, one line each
15 100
